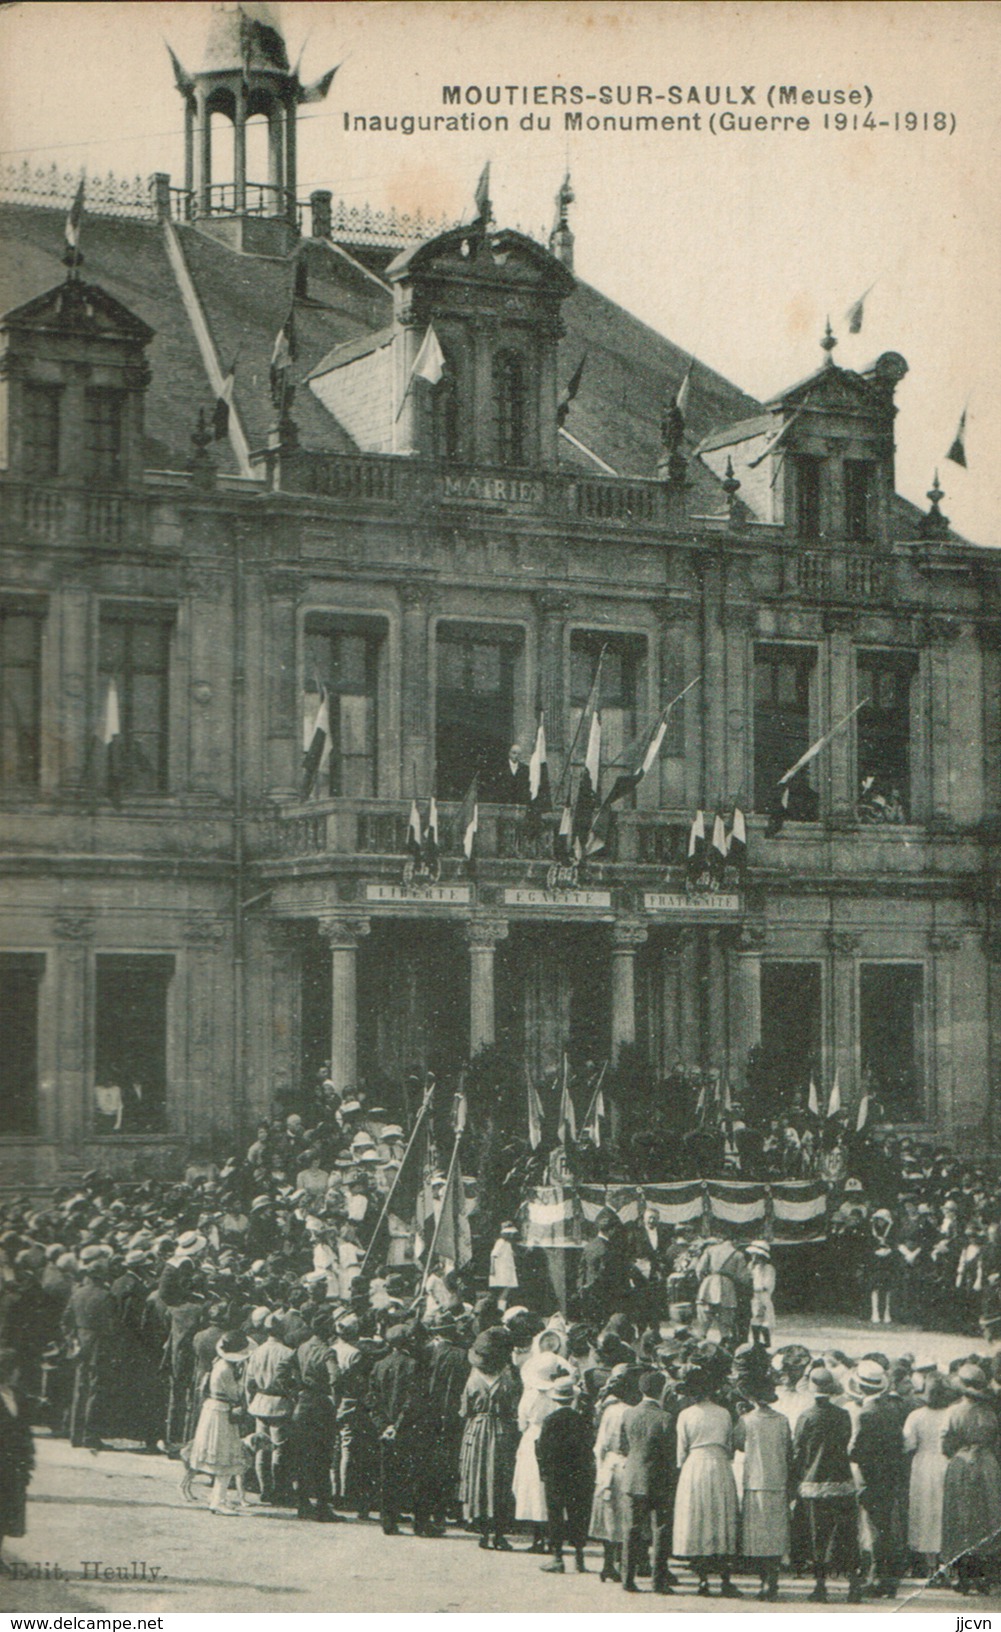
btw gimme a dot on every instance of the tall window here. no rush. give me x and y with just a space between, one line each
883 733
858 480
130 1043
41 430
343 660
20 695
782 726
790 1033
134 659
807 472
474 710
510 408
19 977
103 435
620 687
891 1035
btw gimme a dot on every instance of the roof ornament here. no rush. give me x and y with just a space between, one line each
202 466
828 343
934 524
730 485
561 239
481 198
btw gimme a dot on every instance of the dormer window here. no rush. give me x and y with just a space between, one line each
858 482
808 496
510 405
41 430
103 435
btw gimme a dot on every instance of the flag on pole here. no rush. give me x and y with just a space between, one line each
957 453
736 844
283 355
834 1103
431 846
562 851
696 859
684 390
540 800
588 787
481 197
573 386
775 440
182 79
863 1113
534 1111
596 1110
429 364
821 742
642 755
74 222
469 821
224 405
317 745
452 1237
812 1102
856 312
318 90
414 834
111 738
727 1096
567 1128
717 850
700 1104
402 1198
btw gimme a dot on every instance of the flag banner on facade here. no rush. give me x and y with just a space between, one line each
401 1203
481 197
468 823
111 739
414 834
283 355
736 843
589 786
74 222
224 406
863 1113
452 1239
856 311
428 365
551 1216
775 441
812 1102
684 390
637 761
596 1110
695 863
718 850
957 452
834 1103
740 1205
563 838
567 1128
799 1211
540 801
573 386
534 1111
431 846
317 748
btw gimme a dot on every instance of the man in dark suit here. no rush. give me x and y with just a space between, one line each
91 1322
513 786
878 1452
649 1480
602 1283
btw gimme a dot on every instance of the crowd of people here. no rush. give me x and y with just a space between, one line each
264 1324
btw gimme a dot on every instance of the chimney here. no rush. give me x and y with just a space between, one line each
319 204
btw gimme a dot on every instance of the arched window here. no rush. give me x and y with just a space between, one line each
510 408
445 416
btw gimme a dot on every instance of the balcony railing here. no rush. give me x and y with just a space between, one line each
836 574
69 514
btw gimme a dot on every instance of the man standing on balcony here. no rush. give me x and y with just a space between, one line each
513 786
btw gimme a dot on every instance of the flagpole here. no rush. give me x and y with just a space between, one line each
428 1096
594 1096
568 767
429 1255
644 736
814 750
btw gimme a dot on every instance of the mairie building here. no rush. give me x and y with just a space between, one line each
188 934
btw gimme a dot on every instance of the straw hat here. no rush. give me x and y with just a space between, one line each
867 1380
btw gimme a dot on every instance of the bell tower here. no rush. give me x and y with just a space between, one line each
244 73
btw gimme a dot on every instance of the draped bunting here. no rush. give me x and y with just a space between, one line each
785 1212
740 1205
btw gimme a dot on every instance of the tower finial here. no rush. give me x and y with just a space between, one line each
828 343
561 239
934 524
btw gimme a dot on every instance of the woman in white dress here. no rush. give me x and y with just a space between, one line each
759 1255
545 1363
923 1432
217 1448
611 1509
705 1505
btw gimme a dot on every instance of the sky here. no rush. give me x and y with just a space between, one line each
737 244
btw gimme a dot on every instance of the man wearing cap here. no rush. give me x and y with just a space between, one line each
565 1452
823 1474
878 1453
91 1324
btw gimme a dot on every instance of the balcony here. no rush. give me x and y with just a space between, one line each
836 574
67 515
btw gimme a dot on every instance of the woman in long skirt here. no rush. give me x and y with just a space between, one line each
611 1509
923 1432
217 1448
489 1438
766 1441
705 1506
971 1491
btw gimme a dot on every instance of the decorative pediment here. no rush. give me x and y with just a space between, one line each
75 307
470 254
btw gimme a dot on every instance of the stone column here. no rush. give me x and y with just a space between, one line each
628 935
290 164
74 933
416 730
276 158
342 935
240 148
939 632
553 610
204 181
482 935
839 798
842 1008
284 727
189 155
712 691
745 999
716 1000
939 1064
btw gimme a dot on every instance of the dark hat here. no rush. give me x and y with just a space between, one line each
491 1350
972 1381
823 1382
606 1219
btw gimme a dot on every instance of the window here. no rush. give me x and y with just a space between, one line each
858 478
474 712
808 496
619 694
510 404
19 977
130 1043
782 727
134 660
20 696
343 659
891 1032
103 435
883 732
790 1034
445 417
41 430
